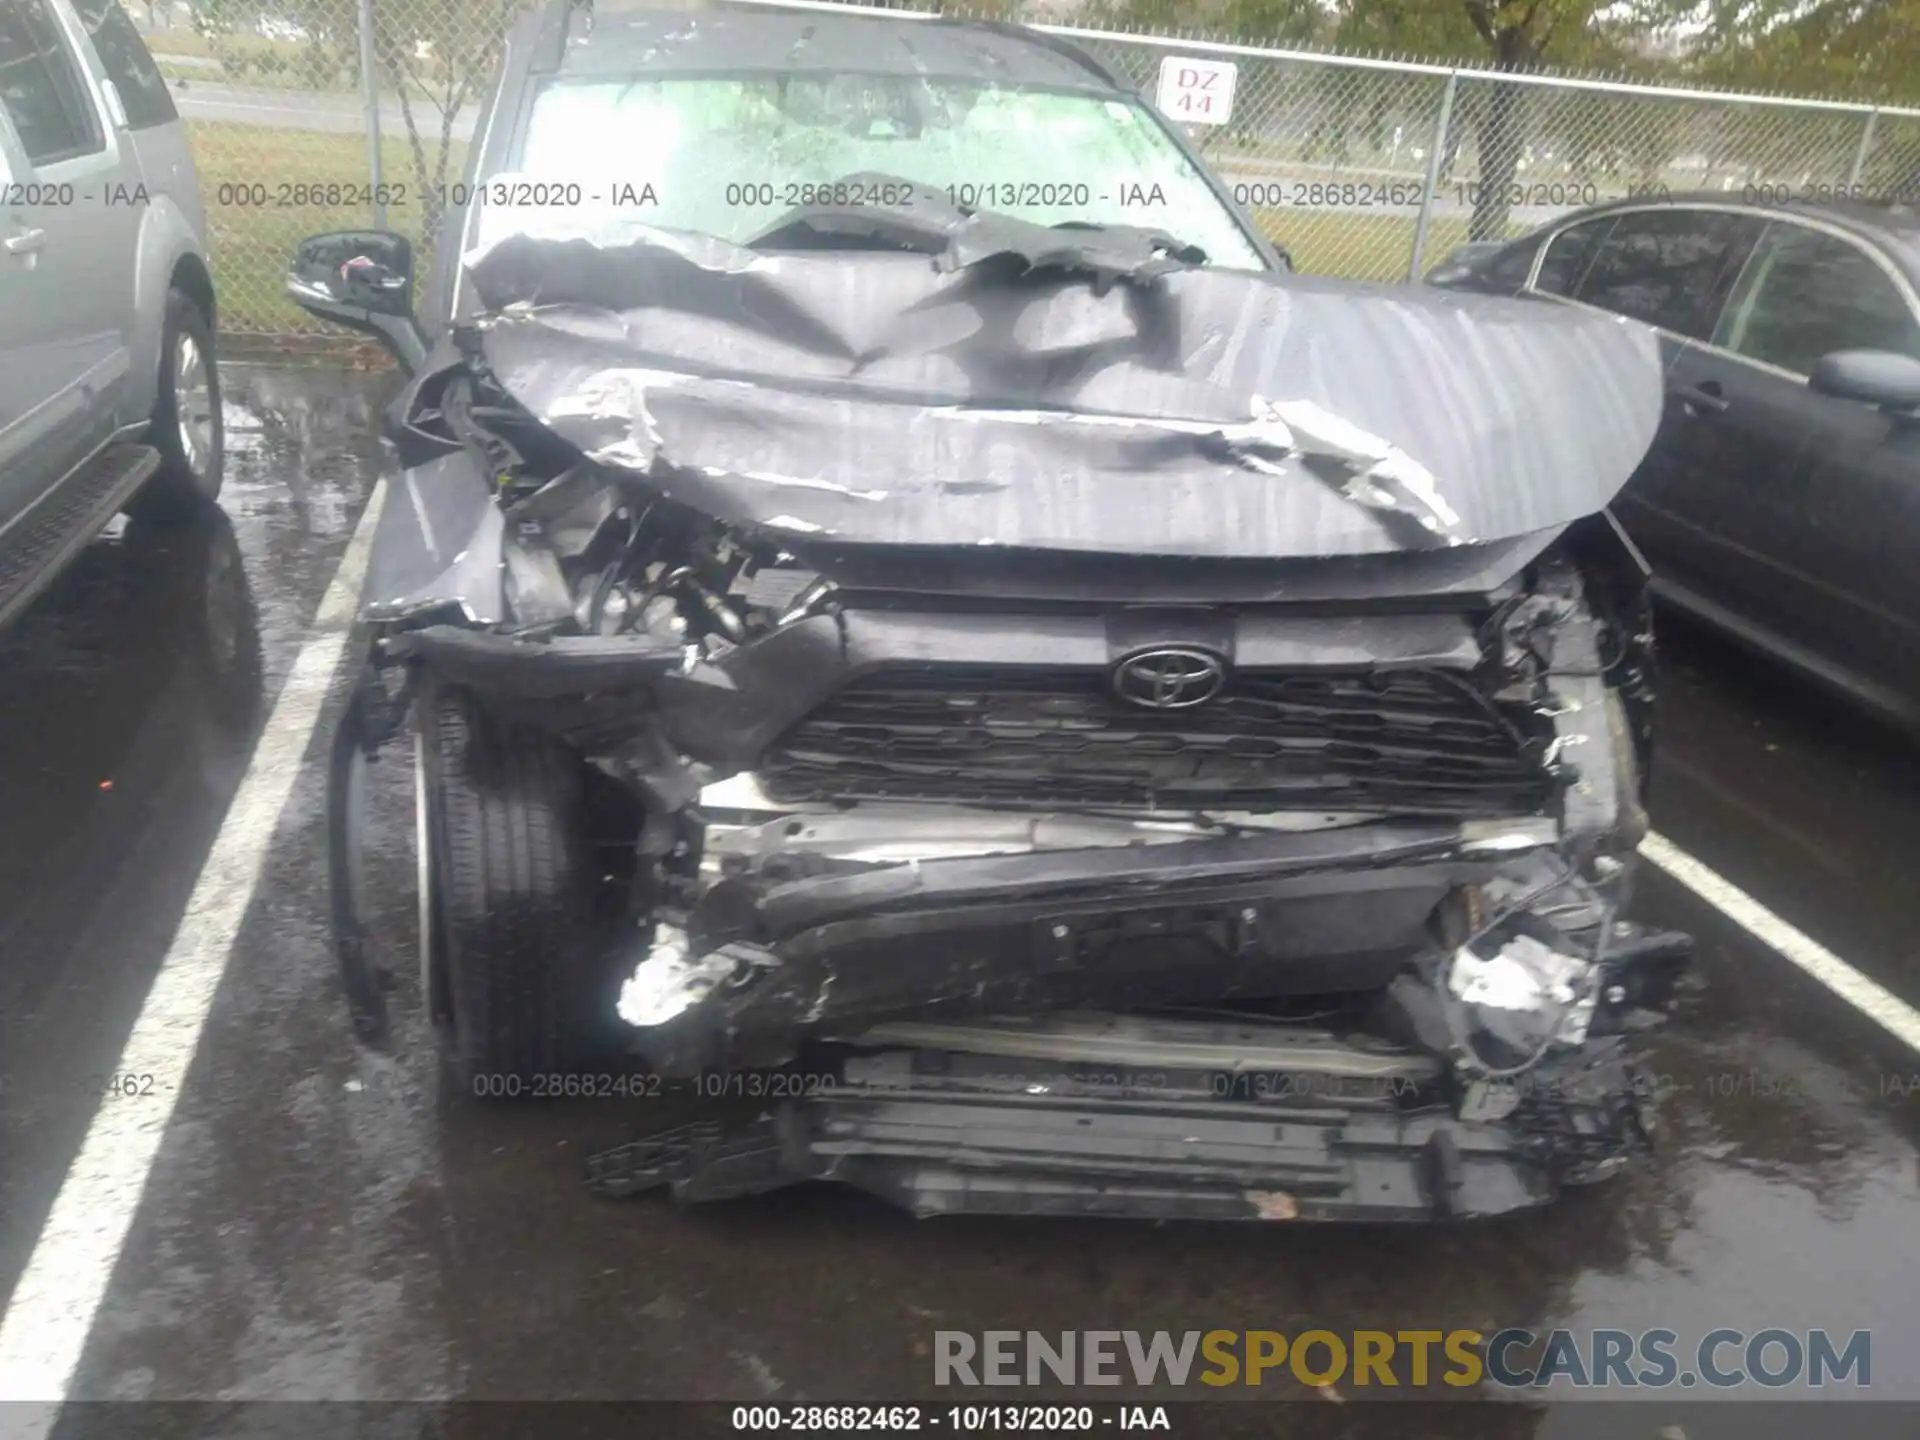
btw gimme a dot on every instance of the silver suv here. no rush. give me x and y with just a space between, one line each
109 398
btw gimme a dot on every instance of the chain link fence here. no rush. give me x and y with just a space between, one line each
1375 170
1361 167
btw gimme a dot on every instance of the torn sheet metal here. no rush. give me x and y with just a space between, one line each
870 398
438 543
923 219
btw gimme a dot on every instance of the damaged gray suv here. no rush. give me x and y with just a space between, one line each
903 596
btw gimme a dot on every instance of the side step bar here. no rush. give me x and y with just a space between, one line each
39 543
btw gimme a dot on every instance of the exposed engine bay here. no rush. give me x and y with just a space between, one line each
959 814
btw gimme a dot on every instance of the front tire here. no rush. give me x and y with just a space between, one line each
511 970
185 427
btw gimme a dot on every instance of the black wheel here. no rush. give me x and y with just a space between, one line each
513 967
185 428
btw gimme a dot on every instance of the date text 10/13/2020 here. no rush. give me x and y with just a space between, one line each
955 1419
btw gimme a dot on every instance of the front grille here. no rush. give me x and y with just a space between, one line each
1412 742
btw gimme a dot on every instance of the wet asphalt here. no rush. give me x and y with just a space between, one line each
327 1222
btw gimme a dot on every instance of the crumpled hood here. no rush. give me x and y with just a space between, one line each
877 398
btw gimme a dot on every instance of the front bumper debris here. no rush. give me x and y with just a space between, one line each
1402 772
792 946
1488 1070
1167 1119
773 957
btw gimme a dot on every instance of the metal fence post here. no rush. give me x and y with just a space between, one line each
1866 144
370 88
1435 152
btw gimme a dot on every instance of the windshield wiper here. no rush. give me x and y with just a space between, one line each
927 222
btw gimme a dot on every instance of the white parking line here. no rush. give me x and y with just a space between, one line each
1869 997
52 1310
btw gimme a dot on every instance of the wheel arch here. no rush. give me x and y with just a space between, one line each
192 278
169 256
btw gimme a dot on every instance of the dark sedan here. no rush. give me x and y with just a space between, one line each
1781 499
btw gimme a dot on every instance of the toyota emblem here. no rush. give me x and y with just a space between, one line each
1171 678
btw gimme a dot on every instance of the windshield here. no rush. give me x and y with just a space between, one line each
727 156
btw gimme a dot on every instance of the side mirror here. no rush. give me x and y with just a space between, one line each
1873 377
362 279
1471 250
1460 261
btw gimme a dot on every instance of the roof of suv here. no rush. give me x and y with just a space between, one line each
630 42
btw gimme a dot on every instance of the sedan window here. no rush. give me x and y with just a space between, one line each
1568 252
1668 267
1807 294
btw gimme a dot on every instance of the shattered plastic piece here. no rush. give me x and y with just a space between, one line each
1493 837
1526 974
667 983
1528 993
1274 1204
1579 1018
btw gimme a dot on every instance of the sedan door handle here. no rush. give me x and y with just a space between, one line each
1704 396
26 242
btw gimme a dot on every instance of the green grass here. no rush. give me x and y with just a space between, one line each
251 243
181 42
1359 246
340 84
254 60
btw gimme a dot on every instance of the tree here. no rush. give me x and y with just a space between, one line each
1859 49
434 56
326 54
1252 22
1517 36
438 55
